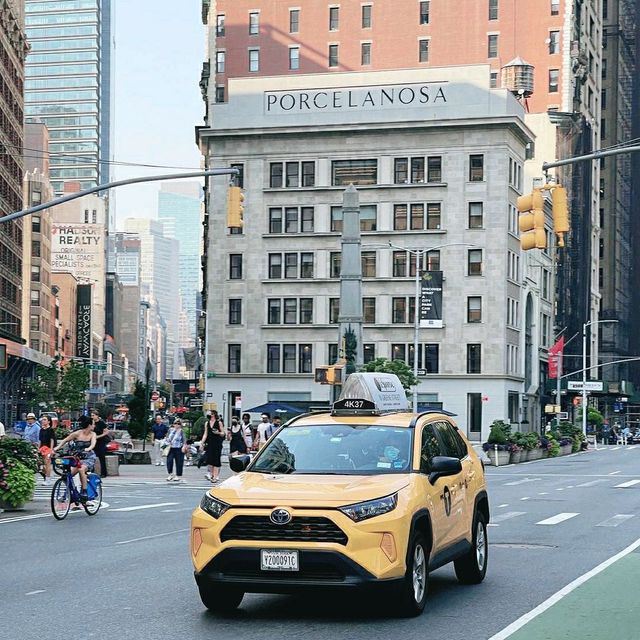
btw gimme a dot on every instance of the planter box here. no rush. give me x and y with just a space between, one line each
516 457
565 449
534 454
503 457
5 506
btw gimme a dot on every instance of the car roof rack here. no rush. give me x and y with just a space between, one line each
428 412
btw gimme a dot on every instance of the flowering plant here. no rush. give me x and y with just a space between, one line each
488 446
17 482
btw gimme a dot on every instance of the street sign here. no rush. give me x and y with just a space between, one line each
562 415
422 372
211 374
155 396
238 403
594 385
96 367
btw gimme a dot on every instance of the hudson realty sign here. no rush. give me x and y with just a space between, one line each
356 98
78 249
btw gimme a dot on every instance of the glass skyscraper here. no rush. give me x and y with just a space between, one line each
68 85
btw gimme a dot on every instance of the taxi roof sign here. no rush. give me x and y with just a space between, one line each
380 392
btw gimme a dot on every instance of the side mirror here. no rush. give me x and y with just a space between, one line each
444 466
239 463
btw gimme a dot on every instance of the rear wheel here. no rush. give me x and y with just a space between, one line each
220 601
411 596
92 505
471 568
60 499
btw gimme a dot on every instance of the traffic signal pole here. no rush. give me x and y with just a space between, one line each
590 156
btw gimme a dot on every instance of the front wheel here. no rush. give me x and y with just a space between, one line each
411 596
471 568
220 601
60 499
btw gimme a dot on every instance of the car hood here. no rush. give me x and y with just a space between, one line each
271 490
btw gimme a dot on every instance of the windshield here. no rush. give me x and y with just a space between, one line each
337 449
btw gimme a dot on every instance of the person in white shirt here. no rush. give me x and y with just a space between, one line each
2 431
265 429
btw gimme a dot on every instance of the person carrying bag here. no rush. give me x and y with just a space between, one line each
176 445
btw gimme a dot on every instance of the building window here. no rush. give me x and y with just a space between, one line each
368 218
220 61
306 265
295 265
400 217
335 260
368 260
423 50
553 80
424 12
275 220
274 308
35 298
474 262
294 20
555 7
234 358
219 93
474 358
294 58
220 25
35 248
554 42
492 46
474 414
357 172
35 273
306 310
401 171
493 9
434 169
432 358
369 310
475 215
476 168
366 16
493 80
289 358
290 307
254 60
235 311
254 23
290 265
400 264
433 215
34 323
433 261
368 353
235 266
334 18
334 310
305 358
603 128
295 174
333 55
474 309
604 68
403 310
273 358
365 53
35 224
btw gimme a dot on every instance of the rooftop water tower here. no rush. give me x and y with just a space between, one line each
517 77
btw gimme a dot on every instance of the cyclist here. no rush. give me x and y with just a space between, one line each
83 443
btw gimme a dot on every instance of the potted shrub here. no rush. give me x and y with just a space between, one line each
565 446
17 483
531 442
503 453
497 445
516 453
554 447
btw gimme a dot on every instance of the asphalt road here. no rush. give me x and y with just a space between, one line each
126 572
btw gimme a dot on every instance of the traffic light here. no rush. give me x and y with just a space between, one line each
531 221
329 374
235 208
560 213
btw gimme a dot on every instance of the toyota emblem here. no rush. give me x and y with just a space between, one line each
280 516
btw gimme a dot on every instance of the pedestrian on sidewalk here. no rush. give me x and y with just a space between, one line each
102 438
238 440
265 430
32 430
160 430
47 443
212 439
177 443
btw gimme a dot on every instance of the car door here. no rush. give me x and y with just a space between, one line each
438 495
457 484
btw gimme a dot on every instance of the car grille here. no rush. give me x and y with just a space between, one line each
300 529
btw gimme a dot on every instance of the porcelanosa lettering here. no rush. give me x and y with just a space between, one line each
355 98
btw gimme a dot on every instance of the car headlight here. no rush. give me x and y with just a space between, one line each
213 506
371 508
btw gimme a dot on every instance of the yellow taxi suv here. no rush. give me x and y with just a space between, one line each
368 495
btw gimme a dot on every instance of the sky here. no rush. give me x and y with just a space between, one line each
159 53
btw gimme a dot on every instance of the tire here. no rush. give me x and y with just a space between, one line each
411 596
60 499
92 506
471 568
219 601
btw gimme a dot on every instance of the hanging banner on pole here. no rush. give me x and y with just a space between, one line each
555 358
83 321
431 300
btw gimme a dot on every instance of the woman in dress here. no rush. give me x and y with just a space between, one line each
238 440
213 437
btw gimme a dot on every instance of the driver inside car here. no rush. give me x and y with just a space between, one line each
393 454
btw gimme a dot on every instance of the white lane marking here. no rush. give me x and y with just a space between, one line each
492 525
560 489
613 473
33 593
629 483
591 483
633 446
525 498
513 484
146 506
507 516
615 448
558 595
36 516
616 520
544 493
157 535
502 505
558 518
570 486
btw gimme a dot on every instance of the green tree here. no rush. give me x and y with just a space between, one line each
397 367
43 387
73 386
137 410
350 349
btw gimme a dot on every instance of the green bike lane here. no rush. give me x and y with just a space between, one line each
600 605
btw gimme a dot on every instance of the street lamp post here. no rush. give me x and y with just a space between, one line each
584 375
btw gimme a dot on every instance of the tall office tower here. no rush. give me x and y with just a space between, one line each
69 75
159 276
617 175
546 53
179 210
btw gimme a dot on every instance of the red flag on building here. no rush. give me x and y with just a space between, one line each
555 353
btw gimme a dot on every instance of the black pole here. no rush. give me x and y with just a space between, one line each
147 375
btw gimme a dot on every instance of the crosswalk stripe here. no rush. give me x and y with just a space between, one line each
633 446
615 448
146 506
507 516
516 482
629 483
615 520
557 519
591 483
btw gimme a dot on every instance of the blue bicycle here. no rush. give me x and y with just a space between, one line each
65 492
